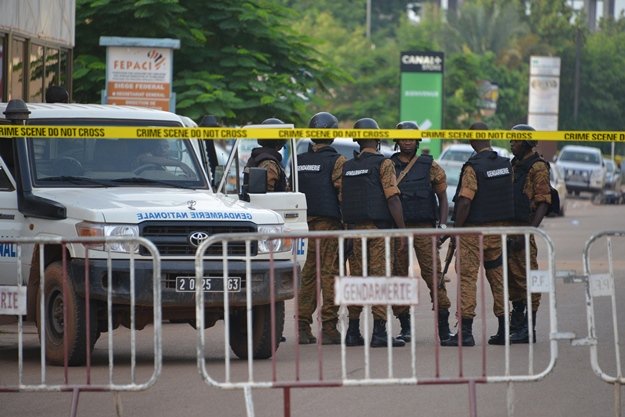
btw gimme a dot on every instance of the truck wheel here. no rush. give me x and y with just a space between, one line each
261 328
76 326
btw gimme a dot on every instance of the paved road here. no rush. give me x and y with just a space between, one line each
570 390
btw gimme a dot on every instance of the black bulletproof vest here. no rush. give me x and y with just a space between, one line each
314 170
418 199
363 195
521 201
494 200
262 154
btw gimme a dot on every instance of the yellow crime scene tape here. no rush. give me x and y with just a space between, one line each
143 132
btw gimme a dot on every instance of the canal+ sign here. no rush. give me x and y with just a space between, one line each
422 62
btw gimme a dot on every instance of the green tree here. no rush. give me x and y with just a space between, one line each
239 59
550 21
602 84
373 86
349 15
484 26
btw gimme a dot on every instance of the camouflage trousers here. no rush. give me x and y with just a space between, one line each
322 265
517 278
470 267
427 261
376 267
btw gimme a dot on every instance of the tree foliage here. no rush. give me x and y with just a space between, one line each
239 60
245 60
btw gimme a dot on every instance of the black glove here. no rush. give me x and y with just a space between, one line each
515 243
348 248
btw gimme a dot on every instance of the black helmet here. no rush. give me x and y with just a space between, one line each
323 120
272 121
209 121
408 125
530 143
272 143
366 123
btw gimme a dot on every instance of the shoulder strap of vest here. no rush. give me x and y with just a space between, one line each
407 169
536 158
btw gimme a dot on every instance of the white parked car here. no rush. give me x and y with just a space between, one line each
582 168
613 178
557 182
452 171
345 146
461 152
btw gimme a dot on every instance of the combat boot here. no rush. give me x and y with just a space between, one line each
465 335
379 336
522 335
500 337
305 334
517 316
353 336
405 333
330 335
443 325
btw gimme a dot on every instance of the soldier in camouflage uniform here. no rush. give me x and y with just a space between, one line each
268 156
320 176
483 199
420 186
532 198
370 201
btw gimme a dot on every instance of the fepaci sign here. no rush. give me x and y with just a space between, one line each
139 72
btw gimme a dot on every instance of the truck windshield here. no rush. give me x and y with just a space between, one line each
581 157
114 162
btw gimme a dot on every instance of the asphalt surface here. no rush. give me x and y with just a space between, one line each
570 389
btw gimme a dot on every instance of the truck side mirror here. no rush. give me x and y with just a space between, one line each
257 181
254 182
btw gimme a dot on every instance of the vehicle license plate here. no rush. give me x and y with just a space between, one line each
213 284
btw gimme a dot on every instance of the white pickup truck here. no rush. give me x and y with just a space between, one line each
156 189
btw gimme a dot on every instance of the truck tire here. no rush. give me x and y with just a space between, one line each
76 326
261 328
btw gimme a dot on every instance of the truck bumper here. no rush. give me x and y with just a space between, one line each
285 273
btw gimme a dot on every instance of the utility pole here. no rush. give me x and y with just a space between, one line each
590 6
368 23
578 52
608 9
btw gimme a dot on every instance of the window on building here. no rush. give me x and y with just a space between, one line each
53 68
64 68
37 74
2 40
16 89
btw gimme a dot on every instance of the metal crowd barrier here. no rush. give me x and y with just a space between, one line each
363 365
112 367
602 278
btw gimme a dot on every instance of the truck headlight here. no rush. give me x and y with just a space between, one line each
87 229
596 175
274 245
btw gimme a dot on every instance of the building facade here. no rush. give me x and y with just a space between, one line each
36 42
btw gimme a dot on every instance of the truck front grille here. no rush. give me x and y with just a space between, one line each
173 238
